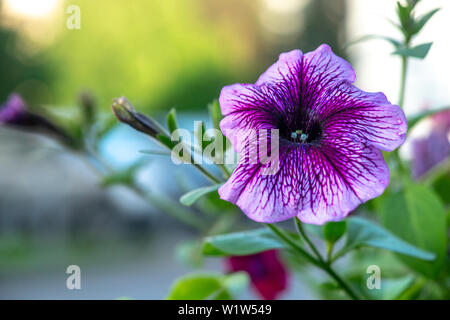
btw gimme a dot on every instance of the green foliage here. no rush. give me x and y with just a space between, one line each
417 215
393 41
166 141
441 183
404 16
208 286
333 231
362 232
191 197
243 243
410 26
215 113
422 20
420 51
199 133
124 177
159 53
172 124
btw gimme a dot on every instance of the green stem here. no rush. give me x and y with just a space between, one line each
401 99
225 170
341 282
302 232
293 244
330 246
320 264
401 102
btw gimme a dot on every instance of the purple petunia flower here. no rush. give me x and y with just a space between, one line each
330 139
267 272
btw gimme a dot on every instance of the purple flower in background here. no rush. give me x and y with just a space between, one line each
14 112
431 150
267 273
330 139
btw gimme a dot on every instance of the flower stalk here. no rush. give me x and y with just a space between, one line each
318 262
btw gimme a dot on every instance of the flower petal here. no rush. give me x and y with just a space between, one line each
322 68
341 176
287 69
364 116
247 108
316 184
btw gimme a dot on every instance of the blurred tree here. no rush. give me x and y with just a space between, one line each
160 54
16 72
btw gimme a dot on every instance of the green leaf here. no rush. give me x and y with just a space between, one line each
191 197
333 231
243 243
440 180
199 287
404 15
156 152
199 132
315 230
362 232
166 141
420 22
394 42
420 51
412 3
172 121
417 215
215 113
415 119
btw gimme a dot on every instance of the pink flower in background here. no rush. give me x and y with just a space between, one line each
267 272
14 112
431 150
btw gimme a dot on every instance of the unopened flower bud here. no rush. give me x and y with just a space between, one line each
124 112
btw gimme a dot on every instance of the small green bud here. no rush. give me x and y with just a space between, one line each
88 106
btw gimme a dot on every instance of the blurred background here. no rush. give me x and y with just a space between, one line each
160 54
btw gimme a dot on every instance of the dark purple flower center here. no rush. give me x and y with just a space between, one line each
301 128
